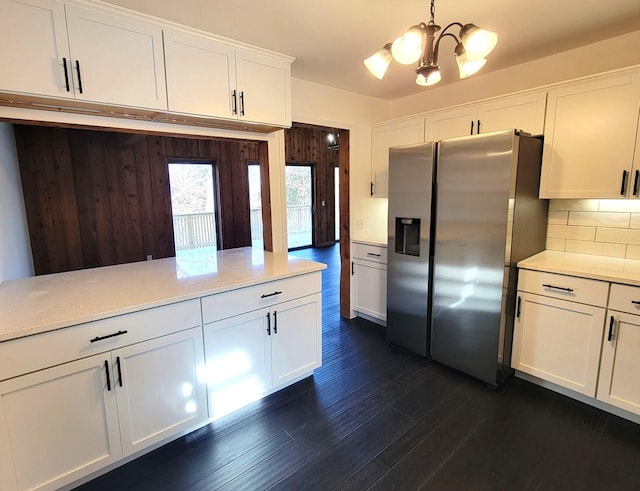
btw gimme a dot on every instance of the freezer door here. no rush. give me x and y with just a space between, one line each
408 255
474 186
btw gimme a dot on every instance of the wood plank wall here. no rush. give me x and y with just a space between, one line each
96 198
309 145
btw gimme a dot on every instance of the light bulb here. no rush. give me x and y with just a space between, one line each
428 75
477 42
407 48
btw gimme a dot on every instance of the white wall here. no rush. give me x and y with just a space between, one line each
611 54
321 105
15 250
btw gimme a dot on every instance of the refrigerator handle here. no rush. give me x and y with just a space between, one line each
623 188
471 132
518 307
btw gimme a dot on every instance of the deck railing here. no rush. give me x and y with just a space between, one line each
195 230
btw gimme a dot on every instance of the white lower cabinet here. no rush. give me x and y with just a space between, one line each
620 364
369 271
559 341
251 354
58 425
62 423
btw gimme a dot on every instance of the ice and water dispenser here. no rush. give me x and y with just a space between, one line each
408 236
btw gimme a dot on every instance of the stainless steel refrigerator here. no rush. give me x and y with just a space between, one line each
488 217
411 171
476 202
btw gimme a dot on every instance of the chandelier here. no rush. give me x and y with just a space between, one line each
419 44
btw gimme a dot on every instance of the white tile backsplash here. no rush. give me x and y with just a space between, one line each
591 226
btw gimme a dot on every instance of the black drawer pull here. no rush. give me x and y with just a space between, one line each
372 254
106 369
100 338
267 295
611 324
562 288
635 302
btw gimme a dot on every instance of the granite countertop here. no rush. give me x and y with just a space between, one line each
613 269
43 303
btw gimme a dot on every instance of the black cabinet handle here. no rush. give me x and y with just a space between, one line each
623 187
66 74
234 102
471 131
635 302
268 323
79 76
372 254
518 307
353 268
371 190
242 103
636 183
478 130
106 369
611 324
100 338
267 295
119 371
275 322
562 288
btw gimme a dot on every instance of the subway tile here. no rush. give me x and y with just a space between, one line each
571 232
628 205
574 204
635 220
633 252
558 217
555 244
599 219
596 248
618 235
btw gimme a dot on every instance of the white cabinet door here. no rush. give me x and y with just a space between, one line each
385 136
238 357
525 112
35 47
620 365
58 425
371 289
590 134
116 60
200 75
160 388
451 123
296 343
558 341
264 89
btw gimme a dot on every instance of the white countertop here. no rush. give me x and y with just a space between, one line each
613 269
375 241
43 303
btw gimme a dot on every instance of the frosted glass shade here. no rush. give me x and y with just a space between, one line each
407 49
378 63
477 42
429 75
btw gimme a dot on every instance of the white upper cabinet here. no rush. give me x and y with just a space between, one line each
116 60
523 112
590 138
35 48
384 136
66 51
200 75
210 78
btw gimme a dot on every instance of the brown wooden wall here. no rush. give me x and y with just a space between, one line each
309 145
96 198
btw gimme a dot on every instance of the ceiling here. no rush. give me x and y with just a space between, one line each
331 38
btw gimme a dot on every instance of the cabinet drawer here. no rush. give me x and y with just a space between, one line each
228 304
31 353
369 252
591 292
625 298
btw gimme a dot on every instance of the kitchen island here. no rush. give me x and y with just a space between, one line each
100 366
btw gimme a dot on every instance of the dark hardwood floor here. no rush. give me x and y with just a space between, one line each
377 417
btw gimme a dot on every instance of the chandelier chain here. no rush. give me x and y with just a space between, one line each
433 13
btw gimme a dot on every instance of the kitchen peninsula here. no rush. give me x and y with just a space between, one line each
101 365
